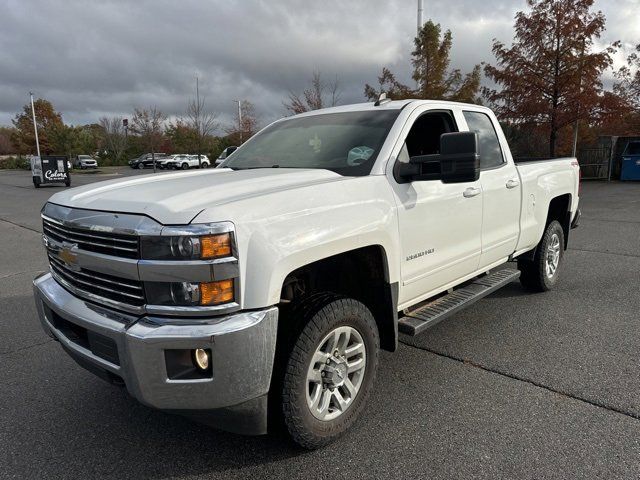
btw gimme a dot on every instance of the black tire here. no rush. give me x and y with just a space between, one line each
185 166
36 182
140 166
534 275
318 316
68 182
205 165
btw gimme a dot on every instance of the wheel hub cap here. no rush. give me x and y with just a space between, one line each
553 256
335 373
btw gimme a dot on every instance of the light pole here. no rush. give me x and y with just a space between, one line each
239 119
35 125
420 13
125 124
197 119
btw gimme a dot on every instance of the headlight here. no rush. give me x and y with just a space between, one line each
190 294
186 247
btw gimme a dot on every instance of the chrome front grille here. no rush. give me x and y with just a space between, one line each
96 255
95 284
116 244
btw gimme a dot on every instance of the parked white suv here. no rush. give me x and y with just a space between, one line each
271 284
186 162
85 161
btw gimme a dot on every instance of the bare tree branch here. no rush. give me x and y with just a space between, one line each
203 122
148 124
114 135
315 96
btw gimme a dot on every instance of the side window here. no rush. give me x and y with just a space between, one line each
424 136
488 144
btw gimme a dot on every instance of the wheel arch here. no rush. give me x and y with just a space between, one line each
559 208
362 273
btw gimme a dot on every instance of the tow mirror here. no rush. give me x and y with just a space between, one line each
457 162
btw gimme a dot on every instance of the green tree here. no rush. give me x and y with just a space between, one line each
431 73
183 138
47 119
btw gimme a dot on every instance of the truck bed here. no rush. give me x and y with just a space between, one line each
542 180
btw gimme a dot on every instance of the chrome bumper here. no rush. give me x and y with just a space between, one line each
132 349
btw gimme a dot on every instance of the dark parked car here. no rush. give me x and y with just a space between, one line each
146 160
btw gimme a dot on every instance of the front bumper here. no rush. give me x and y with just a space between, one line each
132 350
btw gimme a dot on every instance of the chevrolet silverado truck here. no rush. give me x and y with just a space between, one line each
257 295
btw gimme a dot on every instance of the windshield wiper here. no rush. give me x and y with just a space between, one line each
252 168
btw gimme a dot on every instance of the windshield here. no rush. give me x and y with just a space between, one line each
85 157
346 143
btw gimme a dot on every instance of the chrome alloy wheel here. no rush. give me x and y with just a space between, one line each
553 256
336 372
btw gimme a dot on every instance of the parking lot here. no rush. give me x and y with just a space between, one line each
517 386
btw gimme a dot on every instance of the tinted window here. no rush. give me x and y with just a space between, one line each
488 144
633 148
424 137
346 143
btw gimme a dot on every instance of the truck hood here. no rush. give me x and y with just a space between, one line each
176 198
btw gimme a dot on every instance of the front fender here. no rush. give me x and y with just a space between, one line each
283 231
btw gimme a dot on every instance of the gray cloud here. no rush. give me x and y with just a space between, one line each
104 57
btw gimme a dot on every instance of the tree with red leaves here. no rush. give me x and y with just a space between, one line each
550 76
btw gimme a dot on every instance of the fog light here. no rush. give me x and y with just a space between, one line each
201 358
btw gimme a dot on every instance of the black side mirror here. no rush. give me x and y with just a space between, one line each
457 162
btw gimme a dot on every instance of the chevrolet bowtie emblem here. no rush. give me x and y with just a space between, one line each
67 256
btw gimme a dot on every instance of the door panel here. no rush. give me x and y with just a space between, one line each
501 217
439 224
500 189
439 234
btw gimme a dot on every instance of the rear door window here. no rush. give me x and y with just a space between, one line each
488 143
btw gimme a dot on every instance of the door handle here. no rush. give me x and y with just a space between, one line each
513 183
471 192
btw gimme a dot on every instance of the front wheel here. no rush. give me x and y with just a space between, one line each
330 370
185 166
541 274
140 166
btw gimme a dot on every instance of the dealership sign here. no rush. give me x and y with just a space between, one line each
50 169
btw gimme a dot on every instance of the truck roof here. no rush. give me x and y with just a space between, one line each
390 105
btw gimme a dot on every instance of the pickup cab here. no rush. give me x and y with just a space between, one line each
259 293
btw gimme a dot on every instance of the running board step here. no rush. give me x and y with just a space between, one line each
419 320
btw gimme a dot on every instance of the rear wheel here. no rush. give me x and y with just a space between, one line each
205 165
330 369
185 166
541 274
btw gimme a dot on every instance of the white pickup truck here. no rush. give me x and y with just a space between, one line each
259 293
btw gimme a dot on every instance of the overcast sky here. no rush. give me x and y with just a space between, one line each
95 58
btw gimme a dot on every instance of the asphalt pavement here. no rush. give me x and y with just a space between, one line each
519 385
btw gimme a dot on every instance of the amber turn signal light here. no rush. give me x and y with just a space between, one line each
215 293
215 246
